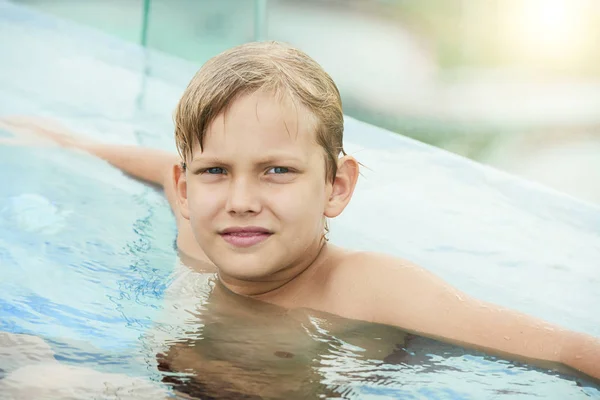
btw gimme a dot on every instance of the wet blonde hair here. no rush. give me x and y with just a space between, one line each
269 66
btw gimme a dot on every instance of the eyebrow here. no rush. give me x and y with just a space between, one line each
279 158
208 160
267 160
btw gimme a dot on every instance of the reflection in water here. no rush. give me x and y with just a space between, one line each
232 347
244 348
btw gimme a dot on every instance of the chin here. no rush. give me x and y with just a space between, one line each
248 267
248 274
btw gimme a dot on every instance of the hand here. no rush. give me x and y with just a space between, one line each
30 129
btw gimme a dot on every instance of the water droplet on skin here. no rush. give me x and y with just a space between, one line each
578 357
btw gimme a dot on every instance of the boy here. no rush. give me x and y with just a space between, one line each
261 168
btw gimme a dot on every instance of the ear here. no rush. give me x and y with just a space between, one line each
342 187
180 182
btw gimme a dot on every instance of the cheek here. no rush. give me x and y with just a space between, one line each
203 202
302 203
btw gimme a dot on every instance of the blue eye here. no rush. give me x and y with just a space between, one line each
279 170
215 170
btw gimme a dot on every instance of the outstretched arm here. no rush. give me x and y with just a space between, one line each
158 167
401 294
147 164
150 165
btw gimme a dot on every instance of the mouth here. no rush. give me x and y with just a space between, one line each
245 236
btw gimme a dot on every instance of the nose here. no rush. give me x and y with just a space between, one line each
243 197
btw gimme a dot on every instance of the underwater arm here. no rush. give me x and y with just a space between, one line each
150 165
155 166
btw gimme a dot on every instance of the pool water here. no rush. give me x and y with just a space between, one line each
87 263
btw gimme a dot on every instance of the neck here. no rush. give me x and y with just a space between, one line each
274 285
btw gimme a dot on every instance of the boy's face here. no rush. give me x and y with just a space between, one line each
256 194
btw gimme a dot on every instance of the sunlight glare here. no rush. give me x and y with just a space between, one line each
551 29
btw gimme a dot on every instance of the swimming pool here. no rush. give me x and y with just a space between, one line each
87 260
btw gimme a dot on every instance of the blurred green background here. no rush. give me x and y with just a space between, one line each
511 83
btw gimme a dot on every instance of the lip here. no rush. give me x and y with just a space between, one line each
245 236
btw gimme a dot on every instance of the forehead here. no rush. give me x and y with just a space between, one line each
262 122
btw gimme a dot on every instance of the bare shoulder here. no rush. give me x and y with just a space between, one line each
375 267
374 286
